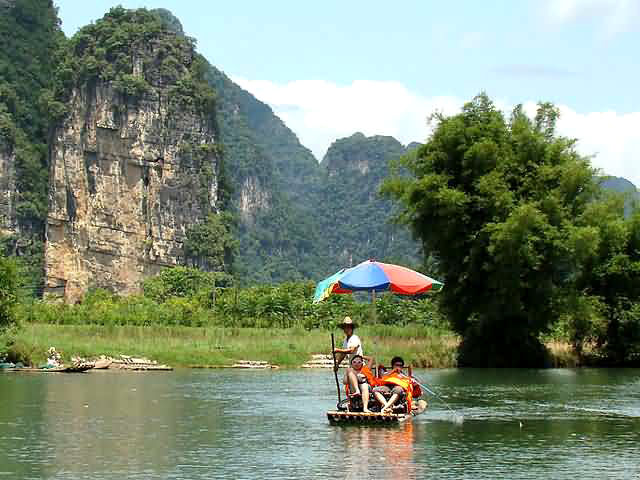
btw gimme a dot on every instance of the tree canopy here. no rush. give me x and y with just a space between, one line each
8 288
603 310
494 199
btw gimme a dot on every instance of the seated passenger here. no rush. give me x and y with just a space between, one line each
395 387
359 379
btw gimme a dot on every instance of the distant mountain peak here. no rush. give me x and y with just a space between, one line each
361 153
619 184
169 19
625 187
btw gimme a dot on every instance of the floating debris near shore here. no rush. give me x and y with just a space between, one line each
79 364
253 364
126 362
321 361
102 363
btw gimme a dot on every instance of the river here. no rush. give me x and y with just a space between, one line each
206 424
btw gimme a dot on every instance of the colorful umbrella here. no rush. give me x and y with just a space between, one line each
376 277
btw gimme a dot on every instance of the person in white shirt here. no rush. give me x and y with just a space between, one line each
351 347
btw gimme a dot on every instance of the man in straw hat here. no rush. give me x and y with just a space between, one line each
351 347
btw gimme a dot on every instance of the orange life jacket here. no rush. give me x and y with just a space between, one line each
371 379
405 382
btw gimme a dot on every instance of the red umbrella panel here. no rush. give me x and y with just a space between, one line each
375 276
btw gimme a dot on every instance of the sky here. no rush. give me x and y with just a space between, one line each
332 68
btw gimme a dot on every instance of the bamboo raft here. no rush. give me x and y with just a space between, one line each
61 369
126 362
336 416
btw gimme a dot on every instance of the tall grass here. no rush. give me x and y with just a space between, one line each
180 318
219 346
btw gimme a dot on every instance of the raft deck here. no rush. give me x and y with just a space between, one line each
336 416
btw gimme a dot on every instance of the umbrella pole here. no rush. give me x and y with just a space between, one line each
374 314
335 370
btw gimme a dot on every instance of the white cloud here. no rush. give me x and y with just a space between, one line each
612 137
615 15
320 112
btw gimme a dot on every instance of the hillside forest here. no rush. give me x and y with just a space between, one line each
530 240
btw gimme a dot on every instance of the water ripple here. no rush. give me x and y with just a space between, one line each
261 424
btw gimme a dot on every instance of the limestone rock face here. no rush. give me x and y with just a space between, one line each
252 198
7 190
125 185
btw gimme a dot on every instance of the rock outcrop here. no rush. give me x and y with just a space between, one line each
129 175
7 190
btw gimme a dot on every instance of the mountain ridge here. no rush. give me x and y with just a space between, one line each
296 217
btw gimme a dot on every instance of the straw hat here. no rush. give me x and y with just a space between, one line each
348 322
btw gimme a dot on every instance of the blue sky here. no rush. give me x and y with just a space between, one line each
332 68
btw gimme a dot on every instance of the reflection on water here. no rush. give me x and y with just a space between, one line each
235 424
385 452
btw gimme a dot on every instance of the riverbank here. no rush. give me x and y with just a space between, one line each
178 346
218 346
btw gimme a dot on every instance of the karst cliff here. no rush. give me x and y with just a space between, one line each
133 162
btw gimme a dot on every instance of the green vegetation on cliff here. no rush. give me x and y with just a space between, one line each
117 48
625 188
209 245
261 134
30 37
357 224
8 300
274 227
296 220
285 225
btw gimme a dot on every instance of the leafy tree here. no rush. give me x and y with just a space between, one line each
209 245
8 287
494 200
30 36
606 302
8 299
182 282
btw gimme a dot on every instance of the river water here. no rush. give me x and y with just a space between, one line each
206 424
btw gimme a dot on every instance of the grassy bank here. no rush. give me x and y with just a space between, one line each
189 346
